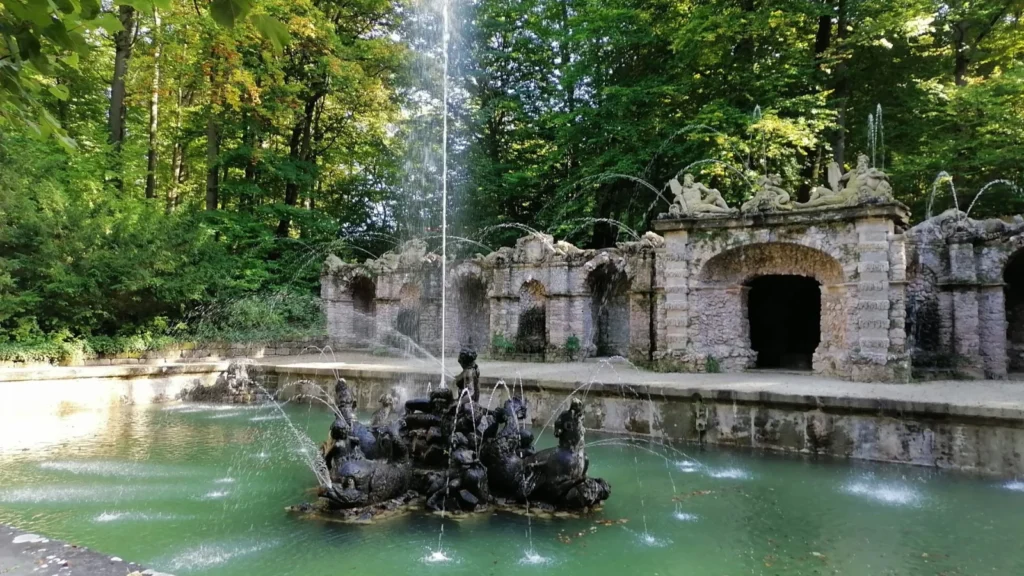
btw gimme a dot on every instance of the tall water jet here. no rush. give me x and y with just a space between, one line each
445 39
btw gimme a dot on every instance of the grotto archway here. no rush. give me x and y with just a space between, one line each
771 305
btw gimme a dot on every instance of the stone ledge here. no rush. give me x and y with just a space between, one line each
828 401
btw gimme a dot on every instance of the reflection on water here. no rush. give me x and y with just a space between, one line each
184 490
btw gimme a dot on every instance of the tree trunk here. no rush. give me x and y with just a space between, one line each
122 54
960 59
154 109
212 153
299 152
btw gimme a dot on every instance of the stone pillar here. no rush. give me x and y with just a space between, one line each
992 336
677 294
873 300
341 316
962 282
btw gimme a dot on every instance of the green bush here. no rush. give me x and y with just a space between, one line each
572 344
501 344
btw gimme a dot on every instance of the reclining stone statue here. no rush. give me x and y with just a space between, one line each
695 199
834 195
769 196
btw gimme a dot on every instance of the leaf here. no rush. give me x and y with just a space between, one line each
145 6
71 60
109 22
90 9
59 91
272 29
227 12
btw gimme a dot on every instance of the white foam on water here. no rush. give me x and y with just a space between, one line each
118 516
729 473
224 481
260 455
66 494
648 539
1015 485
892 494
224 415
267 417
208 555
531 558
685 516
215 494
436 557
29 539
108 468
687 466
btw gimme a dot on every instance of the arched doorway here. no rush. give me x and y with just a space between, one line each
532 332
609 289
1013 293
784 312
363 293
771 305
473 314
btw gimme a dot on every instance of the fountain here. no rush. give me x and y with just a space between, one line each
452 455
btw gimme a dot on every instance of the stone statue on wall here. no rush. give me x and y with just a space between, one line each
695 199
834 195
866 183
770 196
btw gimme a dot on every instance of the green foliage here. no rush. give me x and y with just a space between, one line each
501 344
572 344
711 365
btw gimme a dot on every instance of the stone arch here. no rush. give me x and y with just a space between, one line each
744 263
532 331
407 321
1013 294
770 291
363 291
608 328
472 309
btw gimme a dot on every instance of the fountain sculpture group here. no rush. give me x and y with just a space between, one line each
453 455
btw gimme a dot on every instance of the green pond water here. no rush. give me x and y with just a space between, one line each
201 489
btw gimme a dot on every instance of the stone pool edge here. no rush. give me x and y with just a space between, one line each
29 557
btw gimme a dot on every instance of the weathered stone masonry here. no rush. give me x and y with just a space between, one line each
944 298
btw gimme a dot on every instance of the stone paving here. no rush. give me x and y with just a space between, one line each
22 554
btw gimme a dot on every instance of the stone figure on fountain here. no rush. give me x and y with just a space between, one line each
769 196
470 375
358 482
833 195
695 199
454 454
558 476
866 183
382 417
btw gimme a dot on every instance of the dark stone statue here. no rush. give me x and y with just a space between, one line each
558 476
470 375
359 482
455 455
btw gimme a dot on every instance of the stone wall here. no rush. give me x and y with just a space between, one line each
853 253
574 303
942 295
963 294
200 351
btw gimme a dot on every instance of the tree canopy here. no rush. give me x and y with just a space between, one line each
159 158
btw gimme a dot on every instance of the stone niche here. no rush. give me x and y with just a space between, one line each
965 300
540 300
820 289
